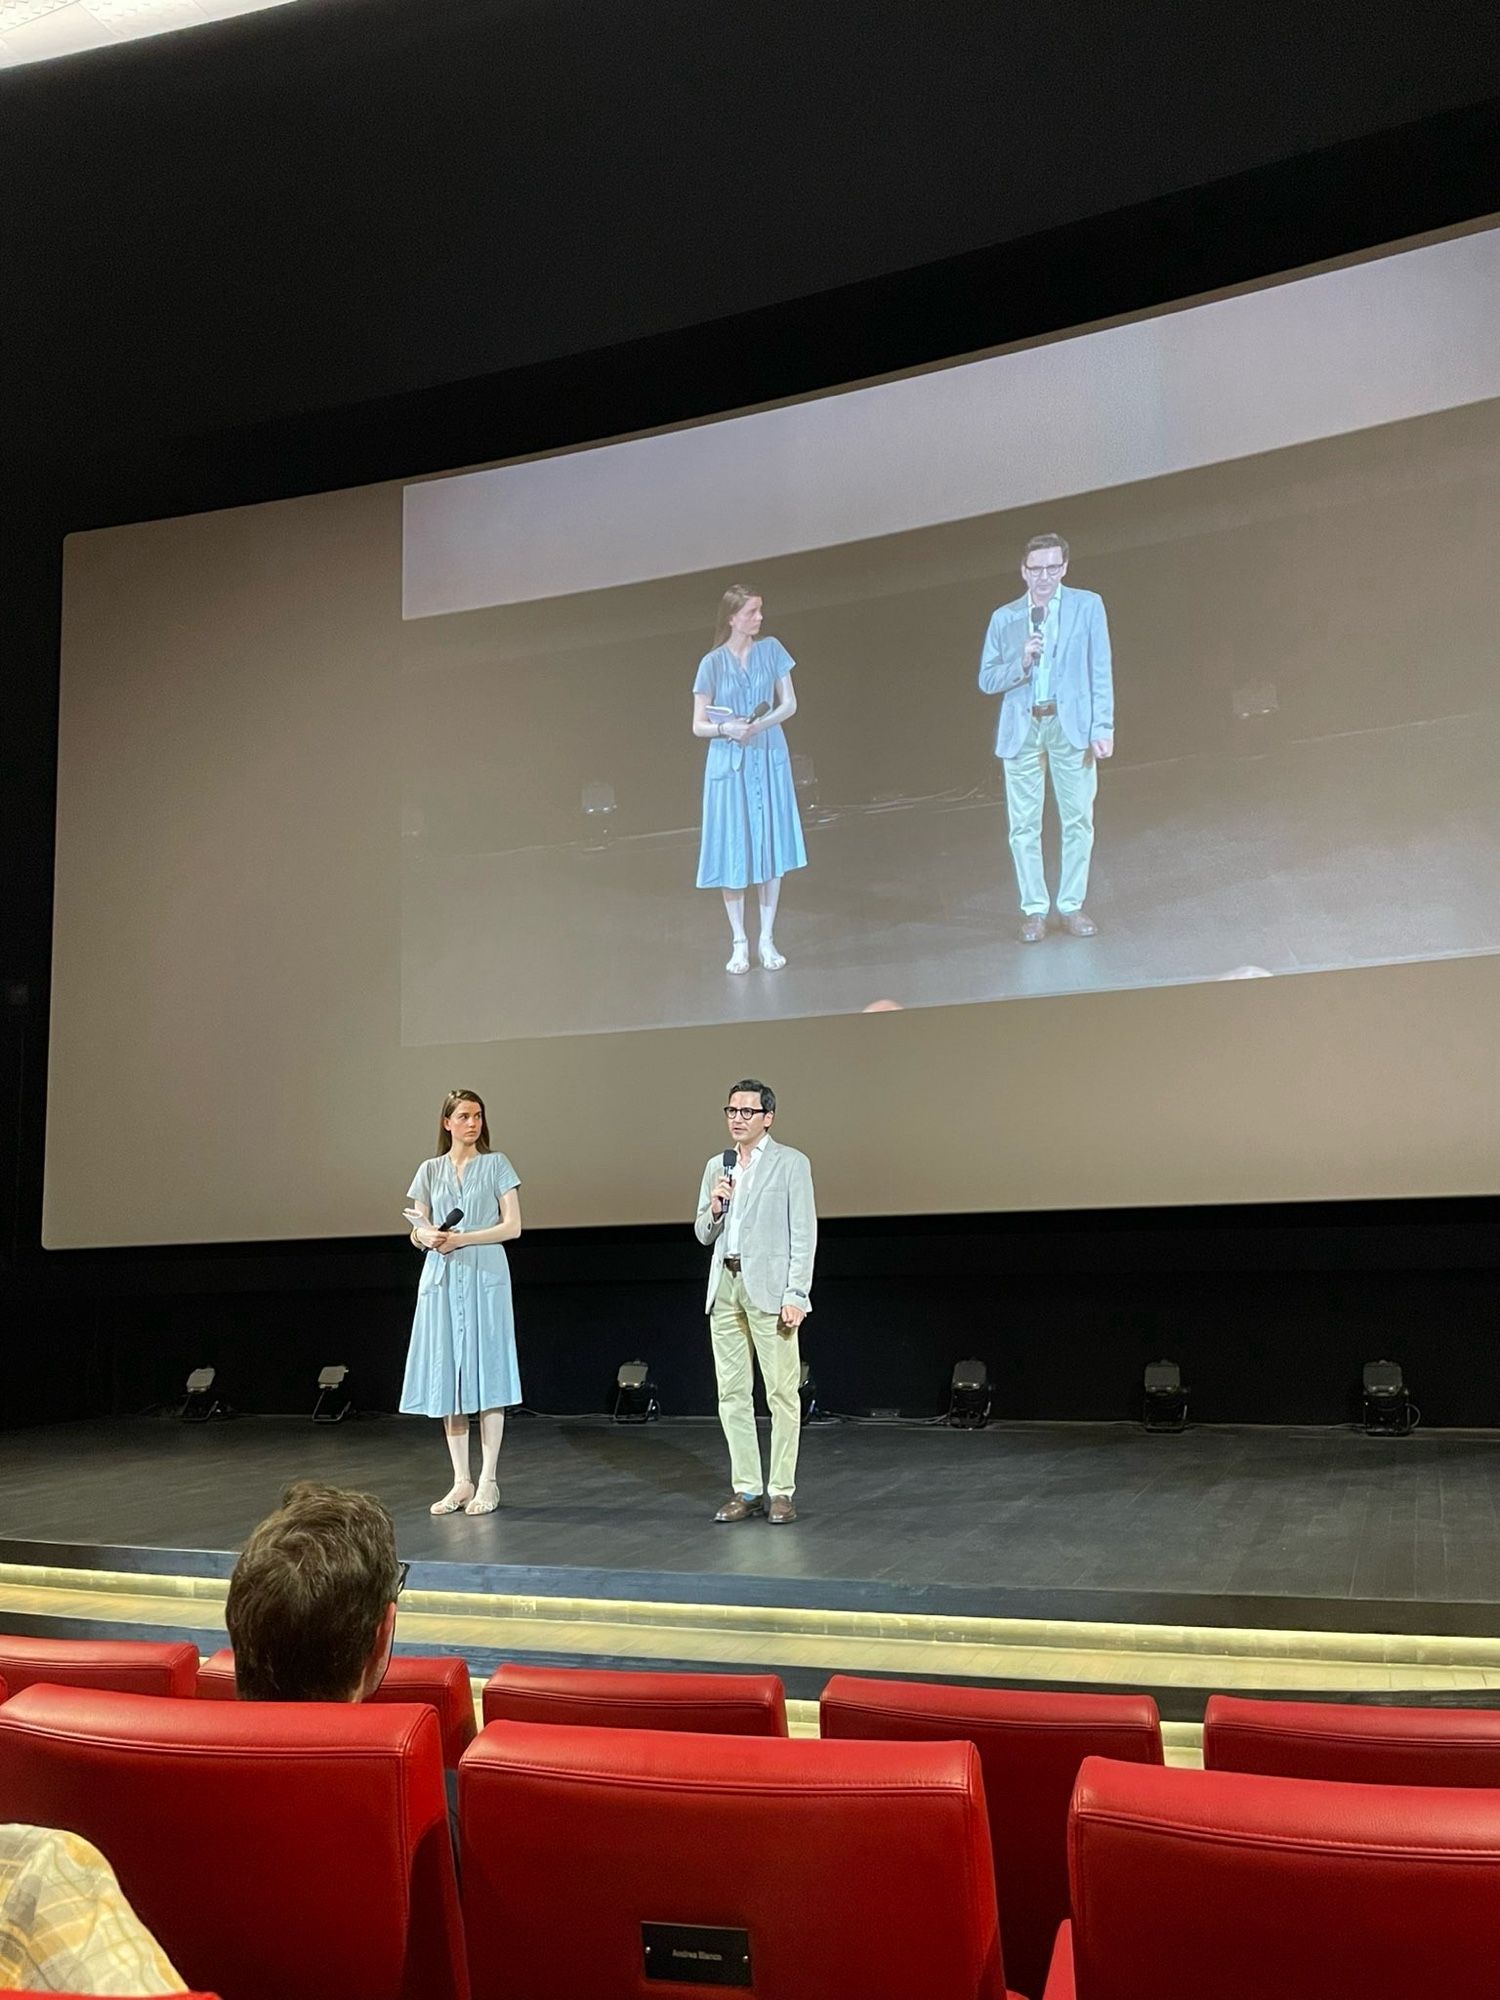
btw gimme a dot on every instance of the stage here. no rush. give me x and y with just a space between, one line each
1311 856
1314 1562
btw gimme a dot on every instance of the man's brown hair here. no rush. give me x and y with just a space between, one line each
308 1594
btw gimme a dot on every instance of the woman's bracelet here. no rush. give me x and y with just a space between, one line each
718 729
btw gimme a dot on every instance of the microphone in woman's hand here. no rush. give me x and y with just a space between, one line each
761 708
452 1219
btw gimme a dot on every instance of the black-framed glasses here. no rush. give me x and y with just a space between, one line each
1044 569
403 1571
742 1111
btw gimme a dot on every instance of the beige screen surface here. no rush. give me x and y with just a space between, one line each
322 848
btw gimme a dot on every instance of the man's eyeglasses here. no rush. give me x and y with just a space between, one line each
1044 569
740 1111
403 1571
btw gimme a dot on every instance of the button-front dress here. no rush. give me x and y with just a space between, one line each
751 828
462 1357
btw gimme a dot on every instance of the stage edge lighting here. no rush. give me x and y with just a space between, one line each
200 1403
969 1396
1165 1400
635 1395
334 1401
1388 1410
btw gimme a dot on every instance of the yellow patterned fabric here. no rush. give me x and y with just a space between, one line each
65 1926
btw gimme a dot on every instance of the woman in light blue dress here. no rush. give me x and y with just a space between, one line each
751 830
462 1357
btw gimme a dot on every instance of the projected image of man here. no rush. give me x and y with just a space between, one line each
1046 653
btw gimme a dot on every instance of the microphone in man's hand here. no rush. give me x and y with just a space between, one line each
729 1159
1038 620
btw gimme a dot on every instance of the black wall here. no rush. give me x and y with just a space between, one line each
353 239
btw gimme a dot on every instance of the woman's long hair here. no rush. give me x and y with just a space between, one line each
450 1104
734 599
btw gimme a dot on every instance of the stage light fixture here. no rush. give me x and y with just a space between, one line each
200 1403
635 1395
334 1401
807 1396
1388 1410
597 804
805 783
969 1396
1165 1399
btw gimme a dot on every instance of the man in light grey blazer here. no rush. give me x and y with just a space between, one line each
758 1215
1047 654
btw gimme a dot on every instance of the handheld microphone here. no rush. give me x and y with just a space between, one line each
452 1219
729 1160
761 708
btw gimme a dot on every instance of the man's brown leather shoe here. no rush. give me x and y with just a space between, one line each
738 1508
782 1510
1078 923
1033 929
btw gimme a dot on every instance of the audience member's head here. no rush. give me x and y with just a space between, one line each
312 1602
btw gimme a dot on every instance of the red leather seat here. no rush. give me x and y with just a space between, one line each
273 1848
126 1666
441 1682
4 1690
1228 1886
855 1868
1030 1747
1353 1743
714 1704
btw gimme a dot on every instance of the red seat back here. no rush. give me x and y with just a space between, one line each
4 1690
1225 1884
713 1704
855 1868
1353 1743
441 1682
1030 1747
123 1666
294 1849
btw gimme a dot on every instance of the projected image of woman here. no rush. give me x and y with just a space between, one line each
751 832
462 1359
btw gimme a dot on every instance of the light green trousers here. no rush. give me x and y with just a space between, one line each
1075 780
742 1333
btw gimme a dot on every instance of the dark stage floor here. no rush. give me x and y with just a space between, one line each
1251 1525
1372 847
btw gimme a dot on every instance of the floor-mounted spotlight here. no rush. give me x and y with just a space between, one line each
597 804
1165 1400
969 1396
200 1402
805 782
807 1396
1388 1410
635 1395
334 1400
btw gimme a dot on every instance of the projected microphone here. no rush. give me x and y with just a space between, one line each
1038 620
761 708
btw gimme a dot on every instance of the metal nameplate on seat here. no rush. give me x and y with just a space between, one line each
696 1954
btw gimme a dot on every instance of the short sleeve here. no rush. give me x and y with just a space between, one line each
781 660
703 680
420 1185
506 1176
